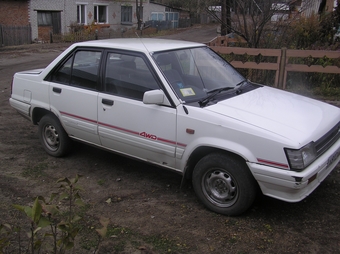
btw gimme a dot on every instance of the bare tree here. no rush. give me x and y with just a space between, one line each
255 22
249 18
139 14
252 19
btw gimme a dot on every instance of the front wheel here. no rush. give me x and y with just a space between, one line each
224 184
53 137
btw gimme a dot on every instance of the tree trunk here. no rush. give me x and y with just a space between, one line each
228 14
224 17
139 10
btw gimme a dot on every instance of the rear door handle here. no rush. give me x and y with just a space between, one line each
56 90
107 102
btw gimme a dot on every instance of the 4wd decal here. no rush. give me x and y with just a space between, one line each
147 135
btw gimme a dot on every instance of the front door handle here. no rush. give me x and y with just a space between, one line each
107 102
56 90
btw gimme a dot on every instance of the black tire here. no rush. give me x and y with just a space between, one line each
224 184
53 137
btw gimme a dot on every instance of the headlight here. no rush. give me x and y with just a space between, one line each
301 158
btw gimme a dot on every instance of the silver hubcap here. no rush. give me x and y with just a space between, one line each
220 188
51 137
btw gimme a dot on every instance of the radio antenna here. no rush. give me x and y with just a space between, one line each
140 38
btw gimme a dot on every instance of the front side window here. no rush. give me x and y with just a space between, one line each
81 14
126 14
100 14
128 76
79 70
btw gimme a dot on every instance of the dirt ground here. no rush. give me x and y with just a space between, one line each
148 211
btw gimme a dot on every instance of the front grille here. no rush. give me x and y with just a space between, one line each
324 143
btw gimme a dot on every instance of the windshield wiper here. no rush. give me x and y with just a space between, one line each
239 86
214 92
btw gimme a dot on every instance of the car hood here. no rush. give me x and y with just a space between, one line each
293 117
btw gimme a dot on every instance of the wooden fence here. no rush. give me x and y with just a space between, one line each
285 59
15 35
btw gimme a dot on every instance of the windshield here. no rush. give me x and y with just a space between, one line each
197 72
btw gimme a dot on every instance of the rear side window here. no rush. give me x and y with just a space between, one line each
80 70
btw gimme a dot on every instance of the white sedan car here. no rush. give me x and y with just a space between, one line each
179 105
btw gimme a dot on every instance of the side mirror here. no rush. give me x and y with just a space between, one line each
155 97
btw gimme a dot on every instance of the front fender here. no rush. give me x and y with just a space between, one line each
209 143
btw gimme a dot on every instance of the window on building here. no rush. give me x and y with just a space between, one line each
172 17
50 18
126 14
157 16
81 14
44 18
100 13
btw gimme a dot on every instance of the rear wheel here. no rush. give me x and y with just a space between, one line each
224 184
53 137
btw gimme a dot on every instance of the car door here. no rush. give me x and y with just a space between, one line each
125 123
74 94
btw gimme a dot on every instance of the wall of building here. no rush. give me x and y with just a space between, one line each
14 12
48 5
68 10
116 13
153 8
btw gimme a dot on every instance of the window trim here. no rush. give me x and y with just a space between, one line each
157 13
148 64
102 68
96 14
79 5
42 13
130 15
71 55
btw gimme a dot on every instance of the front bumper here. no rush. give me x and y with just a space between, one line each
293 186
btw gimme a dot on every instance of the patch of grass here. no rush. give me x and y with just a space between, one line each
101 182
35 170
232 239
115 231
136 244
268 227
165 245
330 93
89 239
123 238
119 246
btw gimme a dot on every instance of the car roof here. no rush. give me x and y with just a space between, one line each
139 44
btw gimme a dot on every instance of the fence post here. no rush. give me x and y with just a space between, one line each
1 37
51 37
282 67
